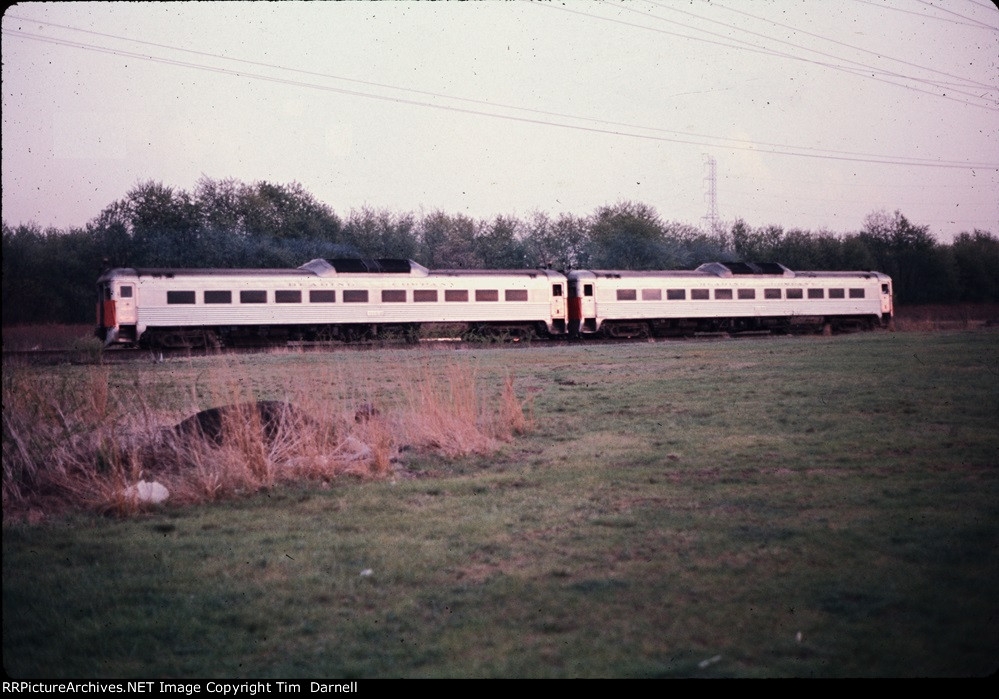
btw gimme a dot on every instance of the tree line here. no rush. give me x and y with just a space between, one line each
49 274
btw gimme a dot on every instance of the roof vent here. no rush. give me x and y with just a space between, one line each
384 265
729 269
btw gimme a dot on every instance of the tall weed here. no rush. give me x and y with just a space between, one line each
86 438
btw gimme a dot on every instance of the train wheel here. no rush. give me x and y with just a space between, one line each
627 330
325 334
408 333
499 333
172 340
411 335
356 333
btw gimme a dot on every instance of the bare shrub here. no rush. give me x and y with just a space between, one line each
86 441
515 416
52 427
443 412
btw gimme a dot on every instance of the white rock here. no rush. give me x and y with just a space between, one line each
353 449
710 661
148 491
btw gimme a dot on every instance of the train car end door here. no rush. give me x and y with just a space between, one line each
125 305
558 306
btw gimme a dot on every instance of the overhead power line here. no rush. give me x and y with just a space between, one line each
982 4
962 81
721 141
971 23
679 137
858 69
951 12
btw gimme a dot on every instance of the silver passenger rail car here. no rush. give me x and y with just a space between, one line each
725 297
340 299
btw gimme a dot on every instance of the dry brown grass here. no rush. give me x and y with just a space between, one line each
47 336
81 443
445 409
933 317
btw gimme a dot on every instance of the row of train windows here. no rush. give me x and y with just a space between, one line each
727 294
348 296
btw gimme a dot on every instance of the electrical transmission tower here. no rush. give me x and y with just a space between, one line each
711 222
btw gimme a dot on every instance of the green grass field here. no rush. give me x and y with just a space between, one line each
773 507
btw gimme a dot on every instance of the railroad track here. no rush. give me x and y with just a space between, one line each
125 355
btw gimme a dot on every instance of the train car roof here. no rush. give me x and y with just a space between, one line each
725 270
168 272
323 268
495 273
313 268
633 274
843 275
386 268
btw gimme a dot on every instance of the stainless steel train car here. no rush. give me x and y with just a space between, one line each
360 299
322 300
726 297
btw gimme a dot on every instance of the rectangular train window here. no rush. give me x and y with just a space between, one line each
652 294
177 297
794 294
457 295
723 294
627 294
856 293
676 294
699 295
126 292
515 295
393 296
287 296
253 296
816 293
355 296
837 294
218 297
587 290
771 293
747 294
322 296
486 295
425 295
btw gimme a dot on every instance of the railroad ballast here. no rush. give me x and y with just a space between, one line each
352 299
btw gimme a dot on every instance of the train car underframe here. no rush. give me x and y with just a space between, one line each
779 325
263 335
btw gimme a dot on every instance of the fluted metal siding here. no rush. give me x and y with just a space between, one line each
155 312
609 308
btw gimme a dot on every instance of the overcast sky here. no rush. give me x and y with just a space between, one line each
816 114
